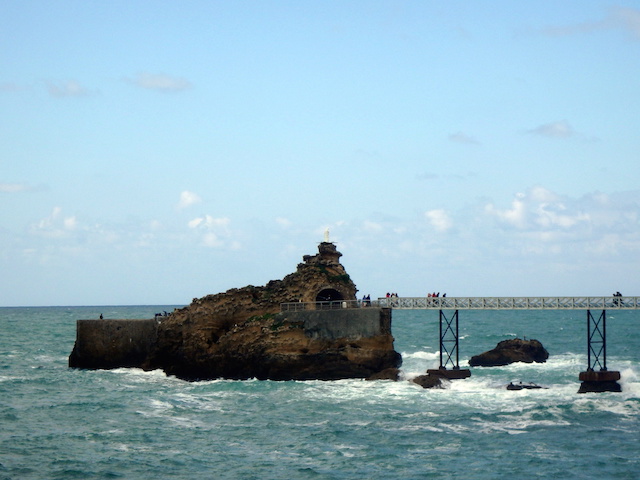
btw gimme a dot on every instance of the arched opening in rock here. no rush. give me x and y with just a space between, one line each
329 295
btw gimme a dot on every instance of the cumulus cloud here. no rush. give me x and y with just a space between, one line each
561 233
70 88
560 129
56 225
541 209
439 219
187 199
213 232
160 82
209 222
516 215
463 138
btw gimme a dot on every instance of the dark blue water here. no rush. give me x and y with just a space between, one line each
63 423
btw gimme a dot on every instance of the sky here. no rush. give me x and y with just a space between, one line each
153 152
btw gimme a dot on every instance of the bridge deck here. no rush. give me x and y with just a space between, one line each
510 303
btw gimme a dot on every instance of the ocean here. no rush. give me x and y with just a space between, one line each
61 423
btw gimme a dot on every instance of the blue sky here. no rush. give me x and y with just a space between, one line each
153 152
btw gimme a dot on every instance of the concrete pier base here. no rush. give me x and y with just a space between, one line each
454 374
602 381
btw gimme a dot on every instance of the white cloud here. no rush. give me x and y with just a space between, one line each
213 232
540 208
155 224
439 219
195 222
70 88
560 129
210 239
283 222
21 188
55 225
557 215
13 187
160 82
187 199
372 227
515 216
70 223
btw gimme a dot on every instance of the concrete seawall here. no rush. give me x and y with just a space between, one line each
113 343
349 323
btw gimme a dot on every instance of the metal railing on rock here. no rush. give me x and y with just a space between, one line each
332 305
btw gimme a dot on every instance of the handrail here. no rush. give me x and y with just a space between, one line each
510 303
474 303
332 305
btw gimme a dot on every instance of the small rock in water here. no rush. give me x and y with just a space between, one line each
510 351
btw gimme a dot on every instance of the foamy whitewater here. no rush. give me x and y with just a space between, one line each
60 423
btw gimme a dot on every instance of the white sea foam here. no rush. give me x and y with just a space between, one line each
417 363
628 375
202 402
421 355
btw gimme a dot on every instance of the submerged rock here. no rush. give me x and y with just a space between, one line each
523 386
510 351
386 374
429 381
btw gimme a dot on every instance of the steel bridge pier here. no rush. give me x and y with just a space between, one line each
601 380
449 346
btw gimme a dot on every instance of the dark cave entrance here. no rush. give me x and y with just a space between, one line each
329 295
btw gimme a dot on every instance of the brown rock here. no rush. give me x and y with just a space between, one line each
510 351
241 333
429 381
386 374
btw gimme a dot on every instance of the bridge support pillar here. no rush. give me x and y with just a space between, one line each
601 380
448 348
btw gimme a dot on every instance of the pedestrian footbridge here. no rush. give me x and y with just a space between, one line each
593 380
510 303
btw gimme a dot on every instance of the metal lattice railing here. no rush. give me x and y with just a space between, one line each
510 303
475 303
333 305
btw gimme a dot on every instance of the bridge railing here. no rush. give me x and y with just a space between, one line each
475 303
332 305
510 303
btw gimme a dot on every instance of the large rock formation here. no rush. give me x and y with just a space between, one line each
241 333
510 351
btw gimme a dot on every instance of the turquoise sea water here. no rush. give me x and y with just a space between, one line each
60 423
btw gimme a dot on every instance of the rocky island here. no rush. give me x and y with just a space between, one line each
245 333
